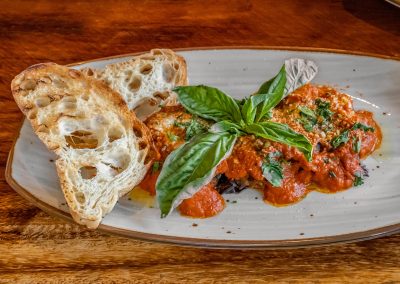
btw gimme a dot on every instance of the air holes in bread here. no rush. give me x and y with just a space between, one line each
142 145
28 85
80 197
82 139
89 72
138 132
74 73
88 172
43 129
114 134
117 162
42 101
32 114
146 69
161 95
68 103
135 84
168 73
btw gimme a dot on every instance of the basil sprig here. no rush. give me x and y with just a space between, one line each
193 164
190 167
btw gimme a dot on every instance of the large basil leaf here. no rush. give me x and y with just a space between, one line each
298 73
226 126
190 167
208 102
282 133
269 94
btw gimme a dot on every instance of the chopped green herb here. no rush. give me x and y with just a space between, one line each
306 111
156 167
340 139
172 137
323 110
363 127
234 201
332 174
307 118
272 169
356 144
358 180
326 160
181 124
195 128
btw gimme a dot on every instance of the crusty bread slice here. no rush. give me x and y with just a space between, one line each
103 149
145 81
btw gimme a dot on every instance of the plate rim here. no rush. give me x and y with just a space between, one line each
201 242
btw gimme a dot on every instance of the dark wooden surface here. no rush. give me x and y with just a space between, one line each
35 247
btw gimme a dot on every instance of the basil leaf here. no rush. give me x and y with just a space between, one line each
298 73
358 179
172 137
208 102
323 110
363 127
272 169
282 133
307 118
269 94
190 167
156 167
356 145
194 128
307 111
249 110
225 126
340 139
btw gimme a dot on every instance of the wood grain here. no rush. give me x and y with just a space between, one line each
35 247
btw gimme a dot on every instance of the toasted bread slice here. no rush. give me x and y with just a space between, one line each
103 149
145 81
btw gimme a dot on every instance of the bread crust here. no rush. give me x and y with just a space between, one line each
55 98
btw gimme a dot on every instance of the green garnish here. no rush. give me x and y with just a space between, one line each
358 179
323 110
363 127
356 144
156 167
193 165
272 169
307 118
340 139
332 174
172 137
193 128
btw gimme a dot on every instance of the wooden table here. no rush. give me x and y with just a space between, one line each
35 247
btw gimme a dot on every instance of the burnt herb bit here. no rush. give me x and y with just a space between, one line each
226 186
356 144
340 139
332 174
156 167
323 110
272 169
172 137
307 118
365 128
358 179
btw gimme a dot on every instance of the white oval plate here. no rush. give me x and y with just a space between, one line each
364 212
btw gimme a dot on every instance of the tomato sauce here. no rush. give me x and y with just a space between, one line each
332 168
207 202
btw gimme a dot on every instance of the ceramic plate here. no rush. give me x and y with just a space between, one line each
364 212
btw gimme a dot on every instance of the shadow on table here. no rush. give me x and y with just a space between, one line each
378 13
